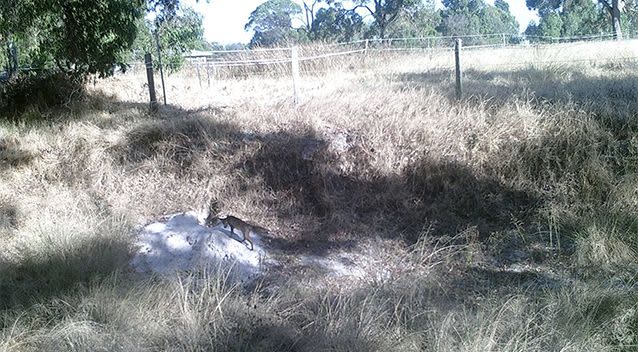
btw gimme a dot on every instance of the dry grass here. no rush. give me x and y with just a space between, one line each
517 205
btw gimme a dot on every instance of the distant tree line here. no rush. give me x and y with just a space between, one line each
564 18
276 22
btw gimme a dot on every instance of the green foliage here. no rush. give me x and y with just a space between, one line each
336 24
466 17
565 18
385 12
272 23
44 90
416 21
180 33
574 18
78 37
550 25
629 18
582 17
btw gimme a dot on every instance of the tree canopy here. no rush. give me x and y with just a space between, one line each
468 17
181 32
79 36
84 36
272 22
384 12
336 24
576 17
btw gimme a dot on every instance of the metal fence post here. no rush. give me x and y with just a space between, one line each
159 60
459 73
207 71
199 77
295 75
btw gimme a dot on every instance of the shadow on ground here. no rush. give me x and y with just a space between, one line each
617 87
40 276
313 200
12 155
8 215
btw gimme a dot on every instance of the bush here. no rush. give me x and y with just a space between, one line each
44 90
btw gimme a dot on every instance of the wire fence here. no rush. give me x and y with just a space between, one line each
376 55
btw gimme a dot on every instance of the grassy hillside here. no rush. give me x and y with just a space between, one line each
514 210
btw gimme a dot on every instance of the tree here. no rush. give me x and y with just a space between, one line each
384 12
309 7
577 10
581 17
498 19
16 17
614 13
550 26
418 20
336 24
629 17
177 34
76 36
272 22
469 17
89 36
79 36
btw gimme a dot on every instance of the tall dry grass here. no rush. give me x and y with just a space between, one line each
515 206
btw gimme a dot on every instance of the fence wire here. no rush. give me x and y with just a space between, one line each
372 56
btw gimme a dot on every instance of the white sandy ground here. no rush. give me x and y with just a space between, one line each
181 242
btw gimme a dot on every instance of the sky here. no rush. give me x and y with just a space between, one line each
224 20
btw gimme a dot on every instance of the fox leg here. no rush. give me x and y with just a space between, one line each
249 240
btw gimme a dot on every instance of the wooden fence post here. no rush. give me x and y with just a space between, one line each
459 73
151 82
295 75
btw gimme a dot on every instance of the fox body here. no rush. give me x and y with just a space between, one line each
241 225
245 228
234 223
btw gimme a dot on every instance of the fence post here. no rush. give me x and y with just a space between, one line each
365 52
459 78
159 60
295 75
199 78
151 82
207 72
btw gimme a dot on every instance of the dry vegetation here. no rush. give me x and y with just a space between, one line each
517 207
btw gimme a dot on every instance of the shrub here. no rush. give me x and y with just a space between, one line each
44 90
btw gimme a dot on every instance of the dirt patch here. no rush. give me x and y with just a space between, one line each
182 242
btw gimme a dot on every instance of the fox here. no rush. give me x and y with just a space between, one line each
234 223
245 228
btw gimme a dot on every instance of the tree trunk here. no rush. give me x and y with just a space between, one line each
12 56
615 20
308 24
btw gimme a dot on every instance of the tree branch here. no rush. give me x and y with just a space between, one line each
364 7
394 16
606 5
